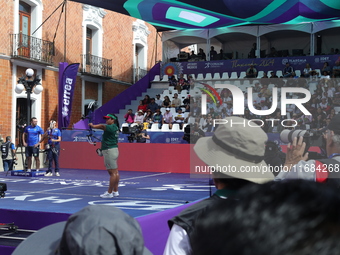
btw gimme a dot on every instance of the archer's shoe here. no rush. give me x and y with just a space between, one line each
106 195
115 194
48 174
57 174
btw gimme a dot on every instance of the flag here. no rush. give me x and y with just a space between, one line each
67 81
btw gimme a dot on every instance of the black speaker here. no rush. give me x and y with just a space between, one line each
318 44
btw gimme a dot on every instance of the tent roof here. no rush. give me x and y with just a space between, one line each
198 14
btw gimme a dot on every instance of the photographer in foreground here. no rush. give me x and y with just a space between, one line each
298 167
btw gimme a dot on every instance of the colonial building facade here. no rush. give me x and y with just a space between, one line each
114 51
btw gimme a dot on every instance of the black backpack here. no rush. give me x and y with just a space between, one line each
5 149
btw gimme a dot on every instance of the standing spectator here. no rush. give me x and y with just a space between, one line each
110 152
53 147
129 117
288 71
252 52
251 72
213 53
8 151
201 54
31 138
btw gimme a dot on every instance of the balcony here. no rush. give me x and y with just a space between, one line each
96 66
139 73
32 48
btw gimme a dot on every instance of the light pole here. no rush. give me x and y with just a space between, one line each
30 85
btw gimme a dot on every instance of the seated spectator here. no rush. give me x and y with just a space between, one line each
146 100
326 68
257 88
176 102
182 83
158 118
142 106
273 53
325 75
271 219
258 99
308 71
213 53
191 82
263 105
172 81
267 93
288 71
129 117
273 75
246 147
95 229
336 70
324 105
158 100
179 118
152 105
166 102
251 72
139 117
148 119
229 109
167 118
208 123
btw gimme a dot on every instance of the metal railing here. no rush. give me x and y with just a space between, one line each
32 48
96 65
139 73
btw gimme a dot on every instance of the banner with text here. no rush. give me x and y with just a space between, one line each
67 83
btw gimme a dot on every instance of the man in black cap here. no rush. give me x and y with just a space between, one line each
298 167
